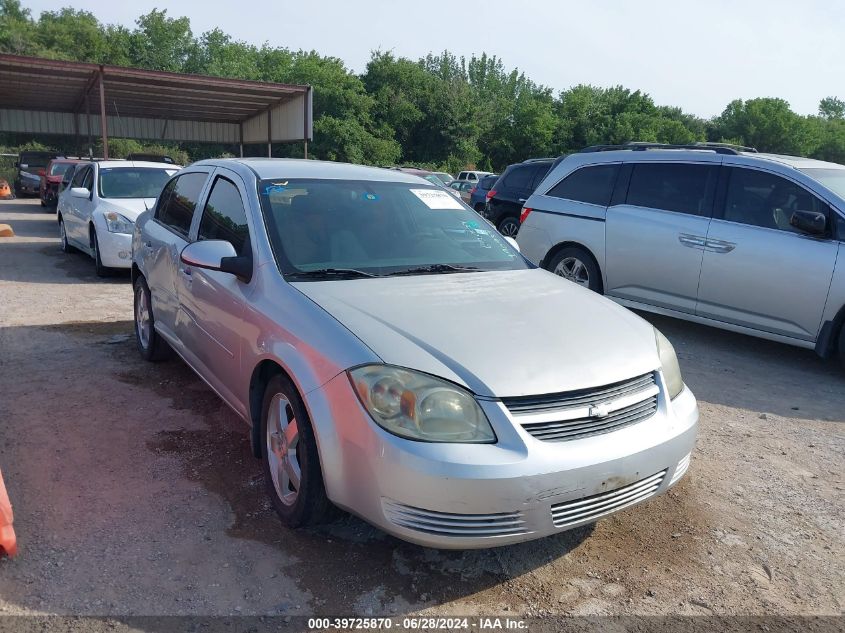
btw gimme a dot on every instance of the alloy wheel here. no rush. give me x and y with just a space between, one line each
573 269
283 449
143 323
509 228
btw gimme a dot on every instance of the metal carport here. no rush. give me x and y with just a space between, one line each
45 96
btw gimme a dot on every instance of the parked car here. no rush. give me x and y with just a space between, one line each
463 188
474 176
29 168
151 158
353 317
51 181
478 194
511 190
97 213
718 235
430 176
443 176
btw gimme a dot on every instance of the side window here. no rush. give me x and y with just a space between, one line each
593 185
79 178
224 216
177 210
676 187
540 172
88 183
839 229
762 199
519 177
66 179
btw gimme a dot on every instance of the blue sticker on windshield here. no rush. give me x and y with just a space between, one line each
370 196
275 188
472 224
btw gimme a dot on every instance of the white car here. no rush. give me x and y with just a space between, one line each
97 211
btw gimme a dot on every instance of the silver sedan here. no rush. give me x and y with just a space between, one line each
396 357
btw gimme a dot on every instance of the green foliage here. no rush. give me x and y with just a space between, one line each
443 112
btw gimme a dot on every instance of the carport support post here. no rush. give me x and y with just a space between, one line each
305 122
103 124
88 127
241 139
270 132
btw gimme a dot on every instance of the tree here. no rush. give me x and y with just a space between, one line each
17 30
161 43
832 108
767 124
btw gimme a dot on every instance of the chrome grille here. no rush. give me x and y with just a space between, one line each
680 469
457 525
591 508
578 414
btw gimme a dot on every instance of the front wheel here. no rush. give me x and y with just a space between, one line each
509 227
102 271
66 247
578 266
150 344
291 462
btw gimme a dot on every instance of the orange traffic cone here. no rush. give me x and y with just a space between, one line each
5 190
8 543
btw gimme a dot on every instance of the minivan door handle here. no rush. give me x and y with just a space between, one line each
692 241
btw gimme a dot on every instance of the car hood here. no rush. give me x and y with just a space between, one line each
500 334
130 208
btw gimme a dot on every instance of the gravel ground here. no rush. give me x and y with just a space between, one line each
135 493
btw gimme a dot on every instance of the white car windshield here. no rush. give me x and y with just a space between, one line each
357 228
833 179
132 182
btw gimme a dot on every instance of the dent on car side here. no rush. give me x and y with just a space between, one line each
514 489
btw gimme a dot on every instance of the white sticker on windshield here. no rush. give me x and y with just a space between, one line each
435 199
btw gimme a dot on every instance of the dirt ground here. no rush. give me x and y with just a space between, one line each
135 492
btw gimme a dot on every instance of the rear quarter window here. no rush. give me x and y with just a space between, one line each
593 185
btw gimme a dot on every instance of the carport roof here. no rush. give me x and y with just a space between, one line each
37 84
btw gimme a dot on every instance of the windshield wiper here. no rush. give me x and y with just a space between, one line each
433 269
328 273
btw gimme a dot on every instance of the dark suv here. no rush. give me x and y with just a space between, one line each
29 168
512 189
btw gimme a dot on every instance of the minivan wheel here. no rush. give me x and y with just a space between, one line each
509 227
291 462
577 265
150 344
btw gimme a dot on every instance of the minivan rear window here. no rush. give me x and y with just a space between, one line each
681 187
592 184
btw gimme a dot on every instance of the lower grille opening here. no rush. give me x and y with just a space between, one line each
452 524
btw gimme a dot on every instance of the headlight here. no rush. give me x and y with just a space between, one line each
420 407
116 223
669 361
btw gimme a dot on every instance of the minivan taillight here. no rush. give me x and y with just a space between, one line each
524 214
491 193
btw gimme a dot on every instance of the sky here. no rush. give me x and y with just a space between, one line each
698 55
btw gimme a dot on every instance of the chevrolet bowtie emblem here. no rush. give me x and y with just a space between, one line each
599 410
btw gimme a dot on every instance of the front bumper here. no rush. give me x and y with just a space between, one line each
115 248
462 496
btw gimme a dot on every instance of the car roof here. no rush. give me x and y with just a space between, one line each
266 168
109 164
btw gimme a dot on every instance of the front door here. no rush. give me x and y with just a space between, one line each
758 270
211 302
655 236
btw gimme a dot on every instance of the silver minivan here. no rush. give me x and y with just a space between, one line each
715 234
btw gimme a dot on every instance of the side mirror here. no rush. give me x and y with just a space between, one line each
217 255
79 192
811 222
512 242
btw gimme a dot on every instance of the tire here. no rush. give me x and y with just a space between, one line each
479 207
66 247
102 271
577 265
43 204
299 504
151 345
842 345
509 226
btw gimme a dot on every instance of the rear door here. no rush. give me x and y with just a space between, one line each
655 236
211 303
75 227
162 243
758 271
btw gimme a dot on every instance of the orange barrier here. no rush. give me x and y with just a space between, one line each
8 542
5 190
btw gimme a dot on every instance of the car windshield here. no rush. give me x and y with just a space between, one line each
444 177
59 169
433 179
833 179
322 228
132 182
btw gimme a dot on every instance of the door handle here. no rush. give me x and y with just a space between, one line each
719 246
692 241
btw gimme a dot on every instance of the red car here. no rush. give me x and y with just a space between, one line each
51 180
